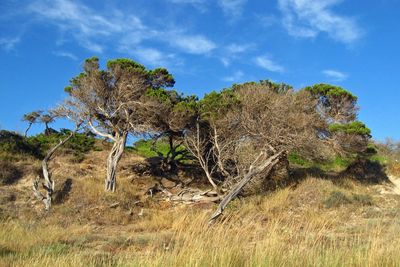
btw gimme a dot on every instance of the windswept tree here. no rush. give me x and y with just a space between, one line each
49 182
31 118
170 114
47 119
338 109
111 101
245 133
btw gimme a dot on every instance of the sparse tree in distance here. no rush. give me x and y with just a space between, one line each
47 119
31 118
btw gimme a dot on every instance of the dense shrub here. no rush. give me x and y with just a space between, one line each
15 143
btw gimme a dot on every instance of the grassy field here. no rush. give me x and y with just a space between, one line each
315 222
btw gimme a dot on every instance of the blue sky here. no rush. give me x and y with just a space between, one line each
207 45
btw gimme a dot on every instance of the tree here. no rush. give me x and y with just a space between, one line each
31 118
338 109
111 102
49 183
47 119
246 131
170 114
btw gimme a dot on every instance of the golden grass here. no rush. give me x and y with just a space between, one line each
291 227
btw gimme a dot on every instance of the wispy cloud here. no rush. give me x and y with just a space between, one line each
233 51
308 18
154 57
267 63
199 4
232 8
65 54
335 75
98 31
235 77
193 44
9 43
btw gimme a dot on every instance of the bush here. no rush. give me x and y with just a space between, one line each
78 144
336 199
14 143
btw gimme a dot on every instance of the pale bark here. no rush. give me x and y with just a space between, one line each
48 184
196 146
113 159
266 167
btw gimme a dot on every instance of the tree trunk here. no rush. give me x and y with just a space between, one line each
26 131
113 159
46 131
48 184
267 165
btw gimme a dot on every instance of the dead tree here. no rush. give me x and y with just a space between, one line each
49 184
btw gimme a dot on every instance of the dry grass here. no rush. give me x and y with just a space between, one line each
290 227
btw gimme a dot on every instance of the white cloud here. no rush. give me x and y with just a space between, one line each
235 77
308 18
335 75
9 43
232 8
98 31
65 54
239 48
266 62
234 51
153 57
193 44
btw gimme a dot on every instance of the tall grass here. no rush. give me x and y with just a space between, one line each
288 228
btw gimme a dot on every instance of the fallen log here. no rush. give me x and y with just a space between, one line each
266 167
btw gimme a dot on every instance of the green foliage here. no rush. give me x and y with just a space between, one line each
160 77
328 90
145 149
371 149
79 143
214 104
335 164
296 159
125 64
13 143
355 127
162 95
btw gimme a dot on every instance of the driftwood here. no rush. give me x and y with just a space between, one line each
266 167
186 195
48 184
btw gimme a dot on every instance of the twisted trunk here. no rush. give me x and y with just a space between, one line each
48 184
113 159
26 131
